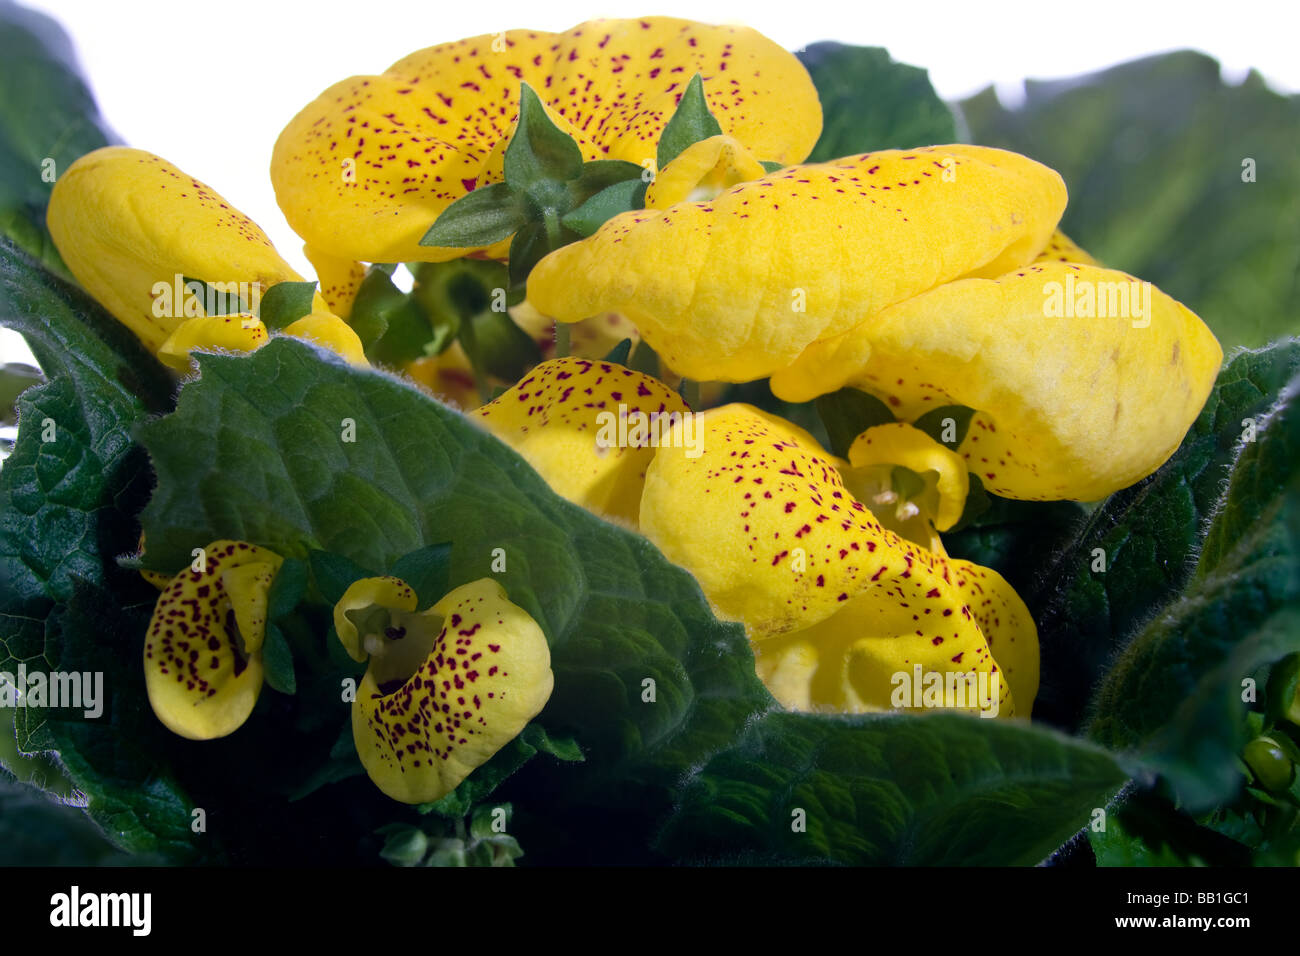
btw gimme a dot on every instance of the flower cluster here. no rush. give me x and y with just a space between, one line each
643 179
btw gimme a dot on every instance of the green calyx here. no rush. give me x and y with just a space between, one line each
550 196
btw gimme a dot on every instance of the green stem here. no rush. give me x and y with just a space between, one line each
561 339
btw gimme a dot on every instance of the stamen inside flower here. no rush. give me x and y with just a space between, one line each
904 501
914 486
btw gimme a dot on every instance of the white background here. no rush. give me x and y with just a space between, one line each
209 85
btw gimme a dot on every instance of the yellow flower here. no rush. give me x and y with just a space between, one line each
240 332
735 287
837 604
365 169
449 375
329 331
446 688
587 428
131 226
1084 379
916 513
701 171
144 239
203 650
340 279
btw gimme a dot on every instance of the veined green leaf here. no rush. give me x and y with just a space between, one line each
871 102
1176 695
482 217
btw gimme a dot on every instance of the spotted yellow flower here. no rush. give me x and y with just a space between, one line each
152 244
445 688
702 171
364 170
1083 379
837 604
127 223
736 286
203 650
588 428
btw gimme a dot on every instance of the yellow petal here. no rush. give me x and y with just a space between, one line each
340 279
354 614
1061 248
202 653
448 375
761 517
1007 626
132 227
1068 405
735 288
701 171
592 339
481 671
365 169
241 332
897 443
858 661
331 332
589 428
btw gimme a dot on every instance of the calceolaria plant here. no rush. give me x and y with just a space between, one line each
725 462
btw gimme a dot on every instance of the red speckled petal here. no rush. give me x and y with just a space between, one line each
568 417
487 672
202 652
365 169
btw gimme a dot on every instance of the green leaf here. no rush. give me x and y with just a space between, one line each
690 123
37 831
482 217
978 504
286 302
67 507
213 300
49 120
618 355
333 574
847 414
937 423
427 571
406 336
287 589
771 166
1174 696
600 174
242 457
376 296
1154 153
935 790
1147 534
278 661
871 102
342 764
1018 539
605 205
1144 829
539 150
